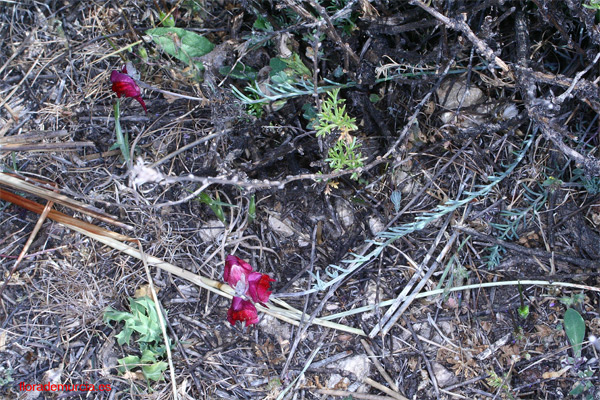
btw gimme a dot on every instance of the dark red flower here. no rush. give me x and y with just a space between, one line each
242 310
124 85
258 287
237 270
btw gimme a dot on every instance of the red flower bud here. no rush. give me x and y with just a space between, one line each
258 287
242 310
124 85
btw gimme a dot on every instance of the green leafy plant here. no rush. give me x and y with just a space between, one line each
344 155
573 300
283 89
500 383
590 183
142 320
575 329
454 274
184 45
333 116
285 75
584 384
334 120
396 198
167 20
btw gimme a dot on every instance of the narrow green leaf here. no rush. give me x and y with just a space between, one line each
252 209
575 330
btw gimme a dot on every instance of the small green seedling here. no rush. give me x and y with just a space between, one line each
252 209
573 300
524 308
142 320
215 205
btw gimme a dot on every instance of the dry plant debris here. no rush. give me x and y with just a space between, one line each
418 184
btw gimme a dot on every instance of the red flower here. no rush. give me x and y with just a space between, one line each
124 85
237 270
242 310
258 287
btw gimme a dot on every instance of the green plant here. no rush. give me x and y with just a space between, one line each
186 46
500 383
142 320
283 89
6 376
333 116
594 5
523 308
215 205
343 155
458 273
396 198
590 183
122 142
573 300
514 219
334 120
252 209
575 329
337 273
584 384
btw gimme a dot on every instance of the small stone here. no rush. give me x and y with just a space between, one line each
370 298
281 227
271 326
212 230
344 213
443 376
359 365
451 92
375 225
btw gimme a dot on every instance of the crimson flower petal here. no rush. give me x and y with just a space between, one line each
258 287
124 85
242 310
235 270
